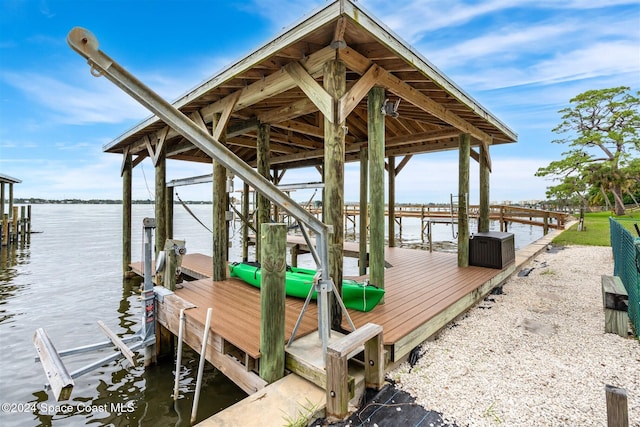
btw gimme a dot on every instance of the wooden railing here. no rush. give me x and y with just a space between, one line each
503 213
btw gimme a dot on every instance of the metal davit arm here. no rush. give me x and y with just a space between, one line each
86 44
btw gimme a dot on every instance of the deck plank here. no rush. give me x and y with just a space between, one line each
419 286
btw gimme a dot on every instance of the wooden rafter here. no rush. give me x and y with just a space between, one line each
352 98
312 89
359 63
125 155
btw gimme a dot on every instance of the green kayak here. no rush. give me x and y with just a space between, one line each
298 283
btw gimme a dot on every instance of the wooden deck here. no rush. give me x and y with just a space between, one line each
424 292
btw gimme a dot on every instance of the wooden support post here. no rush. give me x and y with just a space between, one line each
375 100
10 197
392 201
364 197
14 226
220 207
545 227
220 241
463 202
272 301
23 224
617 408
335 75
338 355
294 255
263 163
161 213
28 223
485 173
169 210
126 213
5 230
2 196
245 222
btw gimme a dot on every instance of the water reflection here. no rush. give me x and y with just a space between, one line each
10 257
64 281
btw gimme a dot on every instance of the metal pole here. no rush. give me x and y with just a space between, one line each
148 297
203 352
179 356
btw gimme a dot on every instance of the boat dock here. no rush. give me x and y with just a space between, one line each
336 88
14 227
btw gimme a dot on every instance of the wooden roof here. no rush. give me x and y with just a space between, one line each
6 179
281 84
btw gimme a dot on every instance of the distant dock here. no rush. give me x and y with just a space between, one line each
15 221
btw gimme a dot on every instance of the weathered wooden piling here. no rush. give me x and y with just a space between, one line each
245 222
363 260
14 227
376 121
272 301
463 200
5 229
334 140
263 163
127 181
617 407
391 217
485 175
23 224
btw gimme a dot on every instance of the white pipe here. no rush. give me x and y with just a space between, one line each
179 356
203 352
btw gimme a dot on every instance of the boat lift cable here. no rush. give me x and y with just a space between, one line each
192 214
146 183
86 45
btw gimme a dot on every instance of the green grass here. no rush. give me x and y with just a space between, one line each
597 229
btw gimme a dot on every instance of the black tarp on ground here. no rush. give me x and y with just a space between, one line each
390 407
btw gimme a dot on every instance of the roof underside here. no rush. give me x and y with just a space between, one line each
6 179
274 85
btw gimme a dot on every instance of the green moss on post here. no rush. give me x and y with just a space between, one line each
272 300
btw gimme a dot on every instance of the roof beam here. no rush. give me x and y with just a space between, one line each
312 89
272 84
355 148
359 63
352 98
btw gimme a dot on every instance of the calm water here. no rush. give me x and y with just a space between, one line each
67 279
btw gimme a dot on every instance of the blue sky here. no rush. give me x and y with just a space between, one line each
521 59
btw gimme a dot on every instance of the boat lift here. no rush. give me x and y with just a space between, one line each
86 44
60 380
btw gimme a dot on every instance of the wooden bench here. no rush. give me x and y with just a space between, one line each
338 355
616 305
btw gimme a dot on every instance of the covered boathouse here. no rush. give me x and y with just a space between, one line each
337 87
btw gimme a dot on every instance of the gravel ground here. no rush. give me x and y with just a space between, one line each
536 355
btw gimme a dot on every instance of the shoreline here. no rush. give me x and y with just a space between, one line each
536 354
